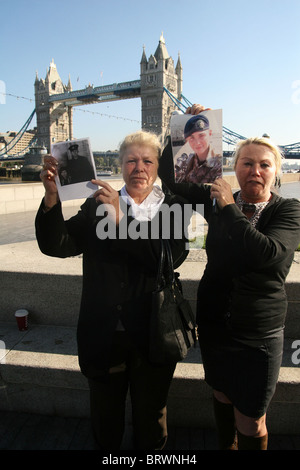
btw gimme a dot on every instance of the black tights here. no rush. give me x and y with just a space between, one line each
149 386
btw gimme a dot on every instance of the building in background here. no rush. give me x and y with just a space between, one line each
9 140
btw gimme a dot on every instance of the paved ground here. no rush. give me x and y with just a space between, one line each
19 227
24 431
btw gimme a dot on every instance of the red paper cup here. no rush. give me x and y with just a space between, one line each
22 319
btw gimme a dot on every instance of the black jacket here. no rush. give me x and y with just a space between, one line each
118 276
243 284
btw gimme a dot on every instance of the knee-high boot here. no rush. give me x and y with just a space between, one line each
252 443
225 423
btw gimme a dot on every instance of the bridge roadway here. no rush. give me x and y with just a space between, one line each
33 430
100 94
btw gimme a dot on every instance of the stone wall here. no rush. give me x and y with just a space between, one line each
26 197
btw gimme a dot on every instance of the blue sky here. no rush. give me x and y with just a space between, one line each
242 56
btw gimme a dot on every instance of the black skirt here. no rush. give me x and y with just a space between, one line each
245 370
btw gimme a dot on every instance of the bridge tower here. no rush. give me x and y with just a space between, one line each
54 101
54 120
156 74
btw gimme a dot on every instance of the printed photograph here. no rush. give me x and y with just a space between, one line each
197 146
76 169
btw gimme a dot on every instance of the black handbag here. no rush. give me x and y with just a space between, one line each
173 329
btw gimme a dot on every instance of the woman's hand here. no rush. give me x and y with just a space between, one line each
110 198
47 176
221 191
196 109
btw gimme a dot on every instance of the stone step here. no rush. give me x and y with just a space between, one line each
26 276
39 373
31 291
39 370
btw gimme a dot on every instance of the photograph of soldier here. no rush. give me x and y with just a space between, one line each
77 167
203 164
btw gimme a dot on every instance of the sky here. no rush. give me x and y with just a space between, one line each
240 56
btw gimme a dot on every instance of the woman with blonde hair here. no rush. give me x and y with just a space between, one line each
119 276
241 299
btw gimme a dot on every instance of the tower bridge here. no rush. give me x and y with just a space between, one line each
159 87
55 101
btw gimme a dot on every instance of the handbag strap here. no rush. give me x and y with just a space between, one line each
165 275
169 267
161 264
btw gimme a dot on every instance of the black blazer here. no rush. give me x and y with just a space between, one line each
118 275
243 283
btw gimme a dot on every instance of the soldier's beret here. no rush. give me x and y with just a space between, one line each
195 124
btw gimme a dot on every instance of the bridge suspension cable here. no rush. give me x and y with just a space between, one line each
291 148
229 137
107 115
176 101
22 152
18 136
186 100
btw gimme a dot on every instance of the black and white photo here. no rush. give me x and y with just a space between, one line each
76 169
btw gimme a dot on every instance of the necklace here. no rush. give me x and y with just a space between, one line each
256 209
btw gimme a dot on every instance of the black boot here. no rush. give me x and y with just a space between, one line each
225 423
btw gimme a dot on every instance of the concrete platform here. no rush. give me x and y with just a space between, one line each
24 197
27 277
39 370
40 374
